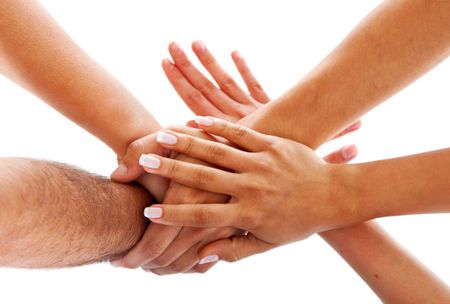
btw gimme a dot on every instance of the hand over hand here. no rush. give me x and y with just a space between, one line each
281 191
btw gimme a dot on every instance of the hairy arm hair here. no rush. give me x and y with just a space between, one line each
55 215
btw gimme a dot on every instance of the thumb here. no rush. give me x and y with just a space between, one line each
231 250
129 168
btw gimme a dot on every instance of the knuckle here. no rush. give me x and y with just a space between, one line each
153 250
215 153
228 83
249 219
176 267
203 216
256 85
208 60
172 167
183 62
189 143
137 147
203 176
239 132
207 87
162 261
194 97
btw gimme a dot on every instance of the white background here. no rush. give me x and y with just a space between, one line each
282 40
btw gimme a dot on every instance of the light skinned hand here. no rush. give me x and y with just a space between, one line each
280 190
173 250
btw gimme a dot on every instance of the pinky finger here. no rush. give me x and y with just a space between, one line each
342 156
232 250
253 86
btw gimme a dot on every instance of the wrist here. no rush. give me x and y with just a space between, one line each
345 196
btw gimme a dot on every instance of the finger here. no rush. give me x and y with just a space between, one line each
191 96
343 155
153 243
192 175
191 215
223 79
215 96
189 258
241 136
129 168
183 264
185 240
233 249
206 150
352 128
253 86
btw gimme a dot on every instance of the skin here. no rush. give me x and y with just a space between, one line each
393 46
273 172
54 215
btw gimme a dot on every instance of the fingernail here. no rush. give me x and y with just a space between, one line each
209 259
349 151
175 47
115 263
166 138
204 121
168 63
201 46
149 161
152 212
121 170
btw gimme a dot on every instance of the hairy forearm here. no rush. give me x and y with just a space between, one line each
37 54
389 270
406 185
394 45
54 215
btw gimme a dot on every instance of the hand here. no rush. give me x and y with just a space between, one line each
281 191
186 78
227 101
162 249
130 170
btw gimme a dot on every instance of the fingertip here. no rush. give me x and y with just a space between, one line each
349 152
167 63
198 46
120 171
236 55
154 212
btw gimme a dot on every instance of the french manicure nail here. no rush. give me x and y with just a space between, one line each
152 212
166 138
349 151
204 121
209 259
149 161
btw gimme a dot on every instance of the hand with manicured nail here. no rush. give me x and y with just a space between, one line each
280 190
203 97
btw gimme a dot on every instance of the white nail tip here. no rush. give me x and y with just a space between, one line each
204 121
149 161
166 138
209 259
152 213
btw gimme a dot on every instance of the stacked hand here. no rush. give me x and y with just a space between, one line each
170 249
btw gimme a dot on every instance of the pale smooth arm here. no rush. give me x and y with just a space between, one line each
37 54
394 45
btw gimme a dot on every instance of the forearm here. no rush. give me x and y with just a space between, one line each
406 185
390 271
54 215
37 54
394 45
